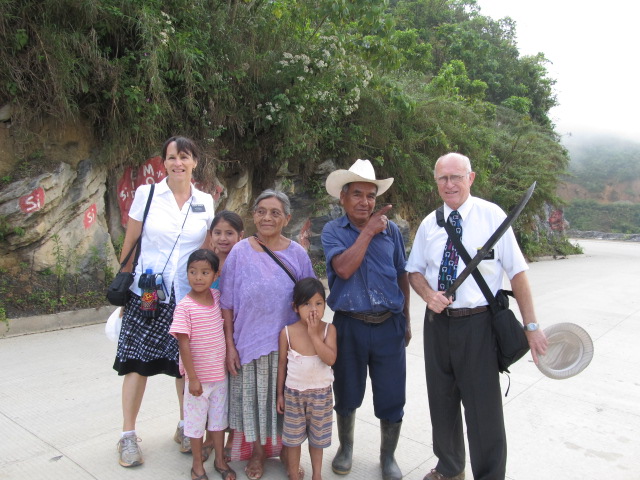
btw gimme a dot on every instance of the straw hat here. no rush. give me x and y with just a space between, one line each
361 171
569 352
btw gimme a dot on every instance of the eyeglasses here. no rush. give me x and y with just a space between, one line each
455 179
262 212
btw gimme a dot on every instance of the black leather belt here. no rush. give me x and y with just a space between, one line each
464 312
374 318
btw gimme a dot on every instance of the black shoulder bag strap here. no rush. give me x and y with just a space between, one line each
276 259
494 305
138 244
486 291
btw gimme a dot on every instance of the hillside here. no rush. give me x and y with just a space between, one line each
602 189
612 192
276 94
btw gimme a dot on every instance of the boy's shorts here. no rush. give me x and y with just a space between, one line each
213 403
308 413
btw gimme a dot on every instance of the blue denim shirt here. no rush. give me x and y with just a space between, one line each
374 286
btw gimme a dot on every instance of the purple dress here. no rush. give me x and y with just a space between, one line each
260 293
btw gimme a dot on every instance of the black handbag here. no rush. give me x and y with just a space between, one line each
118 291
510 337
511 341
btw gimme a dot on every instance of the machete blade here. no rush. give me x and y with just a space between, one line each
493 239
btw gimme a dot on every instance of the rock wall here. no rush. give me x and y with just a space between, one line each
70 206
58 209
60 213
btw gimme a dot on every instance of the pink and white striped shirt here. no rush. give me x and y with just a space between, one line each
204 325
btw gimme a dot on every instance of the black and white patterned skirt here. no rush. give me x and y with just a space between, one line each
145 345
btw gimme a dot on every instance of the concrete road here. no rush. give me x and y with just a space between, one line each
60 414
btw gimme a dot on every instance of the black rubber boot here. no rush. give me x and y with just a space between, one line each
341 464
389 433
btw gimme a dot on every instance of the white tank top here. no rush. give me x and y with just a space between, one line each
305 372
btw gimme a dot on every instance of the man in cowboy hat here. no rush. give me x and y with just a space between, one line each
369 293
459 349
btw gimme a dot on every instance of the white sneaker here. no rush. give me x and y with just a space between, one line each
130 452
185 442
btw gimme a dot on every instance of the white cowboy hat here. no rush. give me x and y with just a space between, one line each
569 352
361 171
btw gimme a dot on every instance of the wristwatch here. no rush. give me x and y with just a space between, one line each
531 327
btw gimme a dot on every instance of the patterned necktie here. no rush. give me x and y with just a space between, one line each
449 264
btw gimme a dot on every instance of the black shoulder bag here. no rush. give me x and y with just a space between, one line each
118 291
510 337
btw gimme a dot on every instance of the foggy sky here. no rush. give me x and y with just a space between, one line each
593 47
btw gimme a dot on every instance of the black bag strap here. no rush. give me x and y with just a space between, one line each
138 244
495 304
276 259
486 291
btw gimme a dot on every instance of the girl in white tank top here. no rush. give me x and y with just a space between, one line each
307 349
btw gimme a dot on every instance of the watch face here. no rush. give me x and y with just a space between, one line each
532 327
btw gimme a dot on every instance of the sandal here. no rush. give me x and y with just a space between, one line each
206 452
224 473
198 477
300 473
253 463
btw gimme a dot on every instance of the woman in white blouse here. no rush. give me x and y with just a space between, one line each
176 225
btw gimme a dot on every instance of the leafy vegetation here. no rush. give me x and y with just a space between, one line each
263 83
611 218
63 287
545 243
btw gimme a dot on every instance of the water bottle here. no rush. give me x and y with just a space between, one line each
160 287
148 295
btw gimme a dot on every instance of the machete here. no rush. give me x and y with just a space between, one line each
493 239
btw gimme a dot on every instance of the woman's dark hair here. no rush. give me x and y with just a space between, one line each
207 256
183 144
232 218
305 289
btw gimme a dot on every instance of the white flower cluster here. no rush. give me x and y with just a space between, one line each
167 29
274 109
323 80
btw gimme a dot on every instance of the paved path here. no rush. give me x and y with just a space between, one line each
60 400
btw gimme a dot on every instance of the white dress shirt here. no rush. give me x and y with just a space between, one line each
479 220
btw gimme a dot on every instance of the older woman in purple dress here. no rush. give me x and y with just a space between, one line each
256 304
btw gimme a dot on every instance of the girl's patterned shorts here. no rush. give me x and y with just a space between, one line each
308 413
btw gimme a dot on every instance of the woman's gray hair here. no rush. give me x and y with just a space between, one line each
270 193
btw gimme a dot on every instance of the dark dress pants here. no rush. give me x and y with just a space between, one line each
380 348
461 366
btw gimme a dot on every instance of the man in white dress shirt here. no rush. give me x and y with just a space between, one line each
459 347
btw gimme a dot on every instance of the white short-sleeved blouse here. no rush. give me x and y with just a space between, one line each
162 227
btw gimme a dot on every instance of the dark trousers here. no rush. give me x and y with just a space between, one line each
381 349
461 366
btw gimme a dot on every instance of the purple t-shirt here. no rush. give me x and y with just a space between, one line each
260 293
